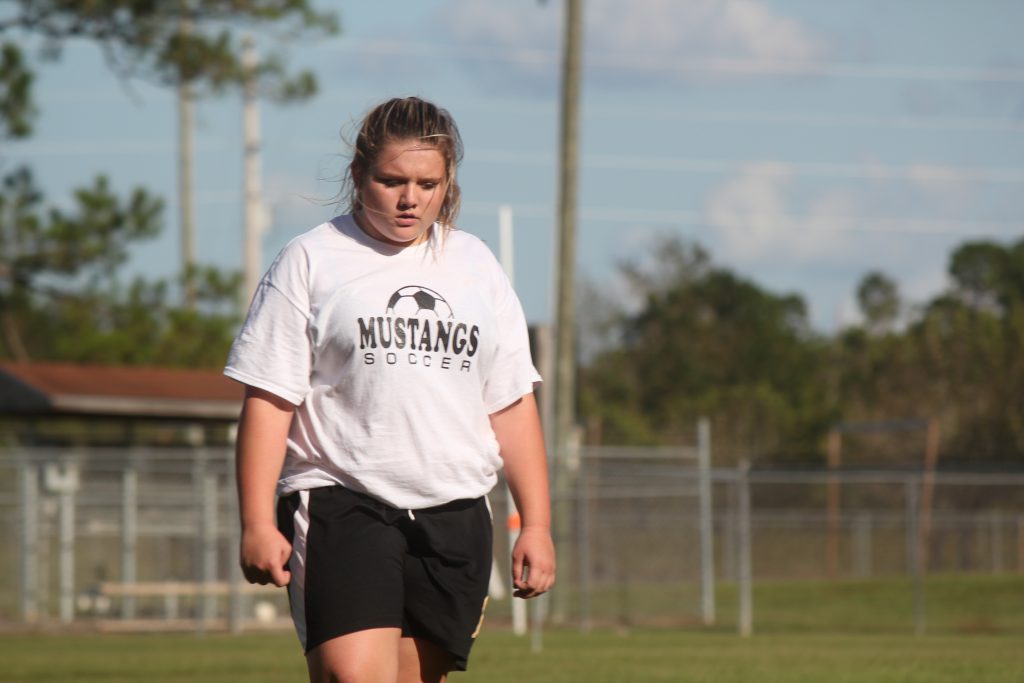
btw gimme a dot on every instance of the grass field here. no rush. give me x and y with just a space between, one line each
805 632
567 657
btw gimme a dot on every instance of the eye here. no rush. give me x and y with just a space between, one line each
390 182
429 185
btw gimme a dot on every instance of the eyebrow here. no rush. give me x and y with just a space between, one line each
397 176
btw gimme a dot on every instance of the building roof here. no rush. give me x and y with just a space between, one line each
69 389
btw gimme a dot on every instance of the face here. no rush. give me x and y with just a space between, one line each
401 193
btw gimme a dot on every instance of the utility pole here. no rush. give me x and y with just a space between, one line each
254 213
185 204
565 342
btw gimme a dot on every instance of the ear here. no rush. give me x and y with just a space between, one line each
358 174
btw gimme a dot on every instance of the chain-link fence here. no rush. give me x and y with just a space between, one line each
147 538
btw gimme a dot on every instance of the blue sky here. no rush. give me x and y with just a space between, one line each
803 143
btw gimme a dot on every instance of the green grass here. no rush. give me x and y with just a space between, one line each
805 632
953 605
566 657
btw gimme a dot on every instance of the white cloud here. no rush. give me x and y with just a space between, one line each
754 217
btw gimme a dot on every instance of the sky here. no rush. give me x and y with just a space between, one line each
802 143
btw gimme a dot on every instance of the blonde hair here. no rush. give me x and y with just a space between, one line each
407 118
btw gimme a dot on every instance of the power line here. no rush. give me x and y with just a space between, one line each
677 64
787 222
763 167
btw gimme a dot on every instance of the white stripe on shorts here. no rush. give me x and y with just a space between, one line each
297 564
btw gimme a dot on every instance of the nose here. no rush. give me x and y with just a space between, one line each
407 199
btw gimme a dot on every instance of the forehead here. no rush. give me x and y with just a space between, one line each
410 154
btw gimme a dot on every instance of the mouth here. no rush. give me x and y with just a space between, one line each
406 220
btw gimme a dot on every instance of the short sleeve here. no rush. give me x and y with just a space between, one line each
512 374
272 350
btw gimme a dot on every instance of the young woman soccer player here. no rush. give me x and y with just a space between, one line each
388 378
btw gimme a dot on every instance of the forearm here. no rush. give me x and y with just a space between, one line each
262 438
521 440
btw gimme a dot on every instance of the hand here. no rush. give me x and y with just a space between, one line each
264 555
533 563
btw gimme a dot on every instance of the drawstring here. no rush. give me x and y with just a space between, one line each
411 516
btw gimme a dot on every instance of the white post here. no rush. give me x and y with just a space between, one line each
707 544
519 624
255 212
63 480
506 247
129 533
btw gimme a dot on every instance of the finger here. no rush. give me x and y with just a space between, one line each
280 576
518 580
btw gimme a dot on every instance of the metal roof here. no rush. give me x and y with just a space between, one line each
69 389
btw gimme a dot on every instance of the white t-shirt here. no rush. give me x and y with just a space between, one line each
395 357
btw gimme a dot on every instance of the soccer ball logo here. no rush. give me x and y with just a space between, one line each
414 301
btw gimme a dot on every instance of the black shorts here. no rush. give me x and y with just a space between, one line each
358 563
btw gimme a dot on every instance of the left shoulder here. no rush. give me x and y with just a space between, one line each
467 245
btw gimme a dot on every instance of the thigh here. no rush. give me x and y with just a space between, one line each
421 661
369 656
350 576
447 576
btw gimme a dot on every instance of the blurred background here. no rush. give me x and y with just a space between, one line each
799 225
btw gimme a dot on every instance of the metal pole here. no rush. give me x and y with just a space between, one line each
29 540
1020 544
67 556
565 345
996 536
707 543
583 543
834 452
913 552
255 217
129 534
746 593
862 533
209 545
236 600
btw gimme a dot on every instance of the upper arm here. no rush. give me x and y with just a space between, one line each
265 415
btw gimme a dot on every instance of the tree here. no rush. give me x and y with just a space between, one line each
707 342
60 295
178 41
879 300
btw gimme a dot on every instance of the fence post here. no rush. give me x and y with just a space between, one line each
914 552
209 545
236 601
583 490
29 539
707 545
1020 544
746 593
63 480
862 542
129 532
996 534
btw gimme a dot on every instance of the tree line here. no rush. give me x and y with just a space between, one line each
704 341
